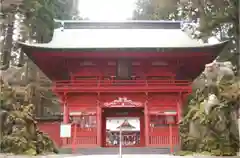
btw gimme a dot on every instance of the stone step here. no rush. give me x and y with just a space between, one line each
115 151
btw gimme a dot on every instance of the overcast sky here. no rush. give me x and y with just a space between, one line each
106 9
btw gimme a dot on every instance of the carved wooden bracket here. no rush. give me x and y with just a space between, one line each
123 102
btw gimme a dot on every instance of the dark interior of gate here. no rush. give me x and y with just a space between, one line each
138 91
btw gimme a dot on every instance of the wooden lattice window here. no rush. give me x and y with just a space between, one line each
85 121
161 120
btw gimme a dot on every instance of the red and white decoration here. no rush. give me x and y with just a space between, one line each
123 102
127 124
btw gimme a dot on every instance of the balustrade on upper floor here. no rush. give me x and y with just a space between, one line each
108 84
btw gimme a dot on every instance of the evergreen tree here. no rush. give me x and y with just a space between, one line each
210 123
19 132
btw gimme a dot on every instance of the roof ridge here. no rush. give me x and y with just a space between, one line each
79 24
126 124
119 21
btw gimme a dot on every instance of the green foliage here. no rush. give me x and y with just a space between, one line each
40 14
215 17
214 132
19 134
36 24
156 10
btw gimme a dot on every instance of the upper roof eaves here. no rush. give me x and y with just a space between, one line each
72 34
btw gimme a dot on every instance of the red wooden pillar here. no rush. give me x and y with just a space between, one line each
65 113
179 114
171 138
74 146
65 119
103 130
99 125
179 111
142 131
170 122
179 107
146 118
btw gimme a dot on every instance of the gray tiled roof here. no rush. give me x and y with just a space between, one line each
139 37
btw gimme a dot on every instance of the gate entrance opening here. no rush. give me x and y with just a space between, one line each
131 123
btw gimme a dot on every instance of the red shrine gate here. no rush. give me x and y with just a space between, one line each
99 77
158 124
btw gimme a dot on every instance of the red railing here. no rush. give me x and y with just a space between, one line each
167 136
106 83
122 86
81 138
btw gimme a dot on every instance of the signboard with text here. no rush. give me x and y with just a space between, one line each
65 131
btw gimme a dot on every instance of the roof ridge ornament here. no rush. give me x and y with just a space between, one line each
61 23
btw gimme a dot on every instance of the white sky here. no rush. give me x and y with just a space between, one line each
112 10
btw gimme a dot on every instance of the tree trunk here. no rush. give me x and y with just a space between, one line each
7 46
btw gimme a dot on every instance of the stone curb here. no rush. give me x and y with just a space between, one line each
67 155
40 156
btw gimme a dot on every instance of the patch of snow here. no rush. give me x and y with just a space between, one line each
213 40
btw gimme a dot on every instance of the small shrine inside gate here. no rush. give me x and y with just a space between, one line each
108 74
